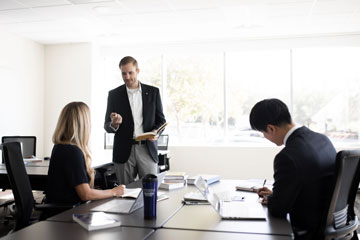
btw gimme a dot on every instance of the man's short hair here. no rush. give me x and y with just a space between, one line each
128 59
269 111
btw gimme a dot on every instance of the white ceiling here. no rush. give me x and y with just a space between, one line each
125 21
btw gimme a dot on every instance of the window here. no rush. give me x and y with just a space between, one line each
201 90
195 98
252 76
330 78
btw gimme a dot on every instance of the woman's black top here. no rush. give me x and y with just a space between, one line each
66 170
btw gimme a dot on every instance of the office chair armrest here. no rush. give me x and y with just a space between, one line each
49 209
51 206
350 227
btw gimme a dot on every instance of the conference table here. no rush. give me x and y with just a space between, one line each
37 172
174 221
47 230
205 218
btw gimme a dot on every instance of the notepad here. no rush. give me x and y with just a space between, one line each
131 193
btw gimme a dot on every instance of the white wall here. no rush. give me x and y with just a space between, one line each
21 88
229 162
68 78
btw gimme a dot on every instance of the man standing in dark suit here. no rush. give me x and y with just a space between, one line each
303 170
132 109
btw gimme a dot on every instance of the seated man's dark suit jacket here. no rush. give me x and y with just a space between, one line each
153 118
303 172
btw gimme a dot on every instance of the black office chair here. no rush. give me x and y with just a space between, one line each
20 185
164 159
341 221
6 201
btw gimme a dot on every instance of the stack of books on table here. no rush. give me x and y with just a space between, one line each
174 180
209 179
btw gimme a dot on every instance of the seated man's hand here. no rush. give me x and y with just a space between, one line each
263 193
263 200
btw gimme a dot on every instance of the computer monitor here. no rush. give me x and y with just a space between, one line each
163 142
28 144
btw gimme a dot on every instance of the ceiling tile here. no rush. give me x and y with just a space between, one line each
23 15
89 1
158 20
191 4
144 6
10 4
43 3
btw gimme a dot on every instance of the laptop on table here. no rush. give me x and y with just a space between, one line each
124 205
234 210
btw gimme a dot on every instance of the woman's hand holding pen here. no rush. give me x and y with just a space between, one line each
118 190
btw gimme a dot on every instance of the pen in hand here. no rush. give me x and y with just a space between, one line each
262 187
264 183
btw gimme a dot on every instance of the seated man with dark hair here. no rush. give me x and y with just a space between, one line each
303 170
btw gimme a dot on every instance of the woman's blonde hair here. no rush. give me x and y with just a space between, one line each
73 127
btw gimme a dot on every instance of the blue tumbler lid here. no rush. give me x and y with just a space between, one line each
149 178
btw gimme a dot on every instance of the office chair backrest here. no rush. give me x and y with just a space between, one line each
28 144
341 220
20 184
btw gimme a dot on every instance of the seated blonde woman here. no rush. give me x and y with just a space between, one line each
70 176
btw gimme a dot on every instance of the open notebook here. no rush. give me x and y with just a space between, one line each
126 205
